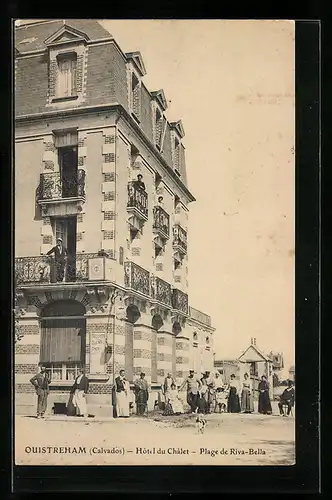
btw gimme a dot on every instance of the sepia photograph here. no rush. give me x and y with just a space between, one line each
154 278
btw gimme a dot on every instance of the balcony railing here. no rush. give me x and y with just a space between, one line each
161 291
42 269
53 185
180 300
137 278
200 316
161 222
137 198
180 238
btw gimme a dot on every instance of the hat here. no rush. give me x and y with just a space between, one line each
59 239
142 374
191 371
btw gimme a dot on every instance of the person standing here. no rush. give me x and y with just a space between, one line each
264 403
192 385
79 391
139 183
141 389
122 389
247 404
287 398
41 382
166 387
233 403
60 259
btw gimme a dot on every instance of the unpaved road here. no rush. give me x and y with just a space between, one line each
228 440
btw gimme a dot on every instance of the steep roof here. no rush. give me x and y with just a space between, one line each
31 37
257 351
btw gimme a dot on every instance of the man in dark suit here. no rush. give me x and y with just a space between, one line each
60 258
287 398
79 391
41 383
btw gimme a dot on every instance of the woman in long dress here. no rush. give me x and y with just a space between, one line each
175 401
122 389
233 404
247 404
264 403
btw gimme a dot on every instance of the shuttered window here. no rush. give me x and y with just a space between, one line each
62 341
66 138
67 75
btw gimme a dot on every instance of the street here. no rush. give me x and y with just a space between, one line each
229 439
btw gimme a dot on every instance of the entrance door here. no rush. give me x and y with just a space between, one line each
68 161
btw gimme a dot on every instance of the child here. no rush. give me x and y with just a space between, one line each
221 400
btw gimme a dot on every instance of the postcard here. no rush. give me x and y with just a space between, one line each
154 242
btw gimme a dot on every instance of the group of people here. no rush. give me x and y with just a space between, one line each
204 394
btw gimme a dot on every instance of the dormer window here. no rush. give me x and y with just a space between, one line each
177 156
135 96
67 75
158 128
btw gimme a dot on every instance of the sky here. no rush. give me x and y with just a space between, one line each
232 85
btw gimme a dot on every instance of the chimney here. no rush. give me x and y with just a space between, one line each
251 341
255 341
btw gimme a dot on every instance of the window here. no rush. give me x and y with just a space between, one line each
62 371
177 155
207 340
253 369
158 128
195 337
66 78
135 95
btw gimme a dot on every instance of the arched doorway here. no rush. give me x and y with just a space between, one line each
63 339
133 314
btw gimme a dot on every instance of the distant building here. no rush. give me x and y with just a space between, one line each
226 368
256 363
277 361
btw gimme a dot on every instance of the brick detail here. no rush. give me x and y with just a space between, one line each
120 329
27 349
108 235
81 143
177 279
139 335
139 369
34 301
79 73
80 161
109 196
79 236
109 139
109 215
161 372
162 356
179 373
49 165
47 240
100 388
184 346
46 221
159 266
109 157
29 329
79 218
142 353
164 340
24 388
26 368
97 328
136 251
109 177
49 146
182 360
52 77
119 349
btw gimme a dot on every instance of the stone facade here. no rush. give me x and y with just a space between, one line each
127 267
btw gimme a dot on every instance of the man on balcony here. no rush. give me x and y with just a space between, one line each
60 259
139 183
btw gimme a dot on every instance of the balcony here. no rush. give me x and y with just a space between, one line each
179 239
180 301
137 205
161 291
60 194
197 315
137 278
161 223
80 268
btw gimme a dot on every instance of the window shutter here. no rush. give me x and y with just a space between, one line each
61 341
65 139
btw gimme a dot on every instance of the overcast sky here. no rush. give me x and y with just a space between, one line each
232 84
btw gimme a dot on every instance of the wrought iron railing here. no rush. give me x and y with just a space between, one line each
200 316
179 237
137 198
54 185
180 300
137 278
161 291
161 221
43 269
